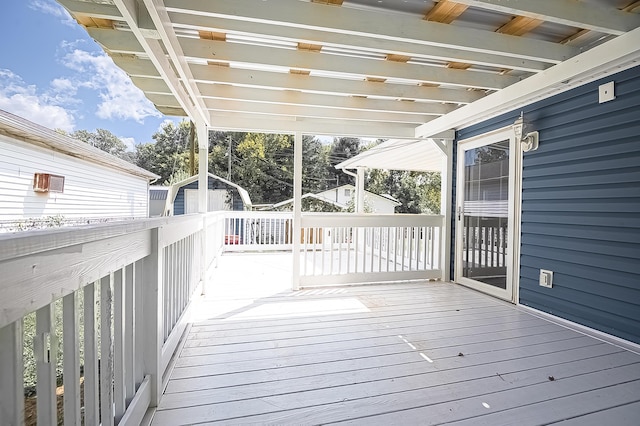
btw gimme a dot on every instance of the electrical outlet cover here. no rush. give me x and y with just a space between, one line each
606 92
546 278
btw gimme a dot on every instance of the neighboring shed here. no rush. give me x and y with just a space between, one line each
223 195
47 177
158 201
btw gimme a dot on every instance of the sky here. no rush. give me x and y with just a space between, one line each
54 74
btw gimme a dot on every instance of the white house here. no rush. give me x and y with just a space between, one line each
374 203
341 196
49 177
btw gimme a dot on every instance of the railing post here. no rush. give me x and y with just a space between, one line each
153 333
11 371
446 190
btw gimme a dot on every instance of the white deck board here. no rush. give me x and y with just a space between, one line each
366 366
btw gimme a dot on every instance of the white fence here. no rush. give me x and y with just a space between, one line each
258 231
345 248
110 303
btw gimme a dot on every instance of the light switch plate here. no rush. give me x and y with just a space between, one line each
606 92
546 278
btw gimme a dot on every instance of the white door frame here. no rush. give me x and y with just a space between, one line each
514 213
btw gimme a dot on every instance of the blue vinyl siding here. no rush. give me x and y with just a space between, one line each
178 203
581 205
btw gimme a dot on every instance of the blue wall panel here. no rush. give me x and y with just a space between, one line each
581 205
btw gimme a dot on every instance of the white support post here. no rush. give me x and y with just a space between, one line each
153 333
11 371
203 203
446 189
360 190
297 208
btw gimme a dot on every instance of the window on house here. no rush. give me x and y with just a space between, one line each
347 192
45 182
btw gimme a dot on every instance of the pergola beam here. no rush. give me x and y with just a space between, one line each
313 112
320 62
369 23
364 43
595 17
270 124
287 97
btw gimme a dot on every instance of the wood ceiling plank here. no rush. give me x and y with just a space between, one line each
519 25
445 11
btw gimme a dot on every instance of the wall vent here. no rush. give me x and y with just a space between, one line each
45 182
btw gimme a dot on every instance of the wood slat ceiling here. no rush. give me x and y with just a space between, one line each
292 65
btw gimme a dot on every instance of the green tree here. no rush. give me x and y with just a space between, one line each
342 149
105 141
168 156
419 192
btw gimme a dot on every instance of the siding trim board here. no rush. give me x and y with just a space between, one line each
581 205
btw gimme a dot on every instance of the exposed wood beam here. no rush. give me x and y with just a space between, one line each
445 11
289 97
375 24
580 14
358 42
315 84
519 25
258 123
221 51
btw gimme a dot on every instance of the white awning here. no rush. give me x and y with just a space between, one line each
399 154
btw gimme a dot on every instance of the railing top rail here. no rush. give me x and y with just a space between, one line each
14 245
368 219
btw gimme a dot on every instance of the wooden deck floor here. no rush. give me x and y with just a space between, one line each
406 354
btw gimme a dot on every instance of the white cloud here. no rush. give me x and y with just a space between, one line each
130 143
120 98
24 100
50 7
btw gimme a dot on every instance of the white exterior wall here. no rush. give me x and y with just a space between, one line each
376 203
90 190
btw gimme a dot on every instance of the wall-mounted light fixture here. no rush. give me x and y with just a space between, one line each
528 140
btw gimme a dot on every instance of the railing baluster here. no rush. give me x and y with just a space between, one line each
139 321
11 374
106 353
119 325
71 359
129 339
91 413
45 346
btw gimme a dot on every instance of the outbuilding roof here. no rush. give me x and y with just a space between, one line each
246 199
31 133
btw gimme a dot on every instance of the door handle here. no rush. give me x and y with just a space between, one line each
459 212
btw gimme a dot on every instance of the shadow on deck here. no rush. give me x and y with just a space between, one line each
415 353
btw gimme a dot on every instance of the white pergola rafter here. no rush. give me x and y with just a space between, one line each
358 22
365 43
580 14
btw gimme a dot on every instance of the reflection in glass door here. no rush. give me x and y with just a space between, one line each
483 247
485 213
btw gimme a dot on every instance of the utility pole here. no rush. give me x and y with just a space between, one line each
229 155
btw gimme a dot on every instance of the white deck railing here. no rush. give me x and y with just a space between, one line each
113 298
344 248
258 231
